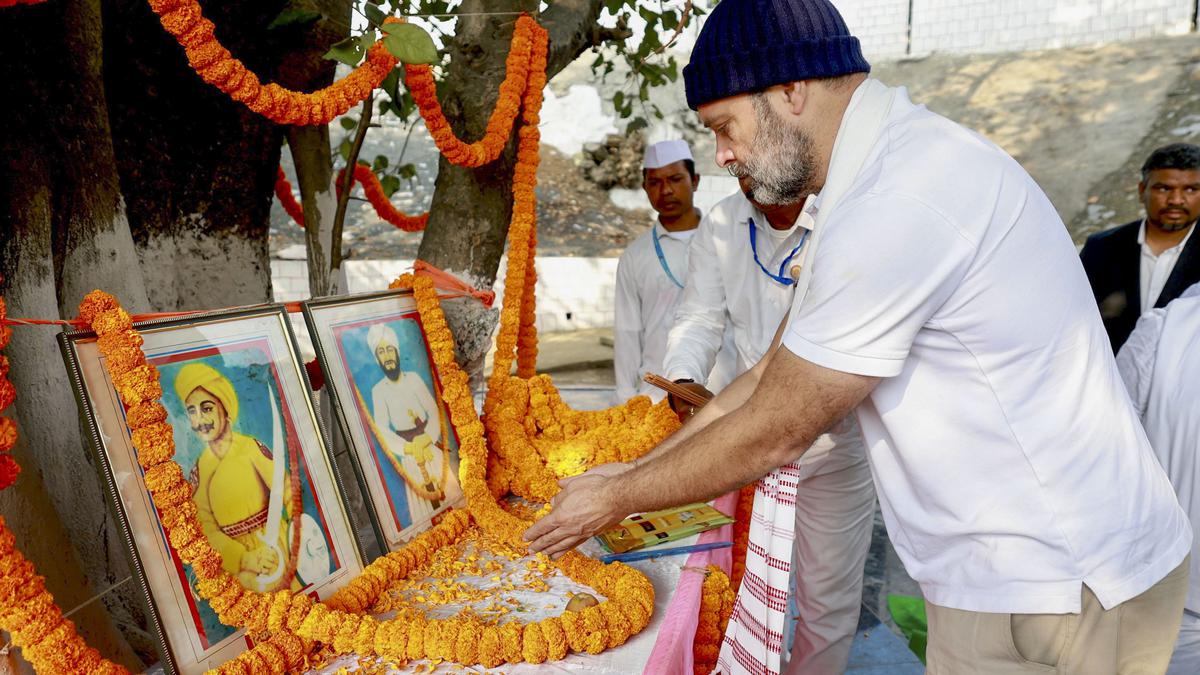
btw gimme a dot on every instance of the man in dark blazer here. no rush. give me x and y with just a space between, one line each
1149 262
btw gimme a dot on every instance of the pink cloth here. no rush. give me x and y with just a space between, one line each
672 652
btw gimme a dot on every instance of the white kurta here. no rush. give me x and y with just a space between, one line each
1160 364
646 300
814 526
399 407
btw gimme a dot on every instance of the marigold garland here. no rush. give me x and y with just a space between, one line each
372 190
716 605
9 469
522 65
215 65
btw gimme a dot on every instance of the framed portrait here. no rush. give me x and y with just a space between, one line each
388 404
248 440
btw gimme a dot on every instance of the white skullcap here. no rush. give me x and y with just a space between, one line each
666 152
381 334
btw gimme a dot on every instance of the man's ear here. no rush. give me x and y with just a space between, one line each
796 95
1142 191
695 181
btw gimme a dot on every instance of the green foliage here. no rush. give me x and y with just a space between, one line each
293 17
348 51
410 43
909 614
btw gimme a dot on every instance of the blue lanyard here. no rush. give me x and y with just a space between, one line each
662 260
781 278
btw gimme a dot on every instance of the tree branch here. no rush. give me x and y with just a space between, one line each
574 27
339 216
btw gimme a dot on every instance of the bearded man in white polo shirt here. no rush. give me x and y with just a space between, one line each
740 275
941 301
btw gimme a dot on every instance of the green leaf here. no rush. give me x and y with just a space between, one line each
391 84
348 123
366 40
348 51
344 150
293 17
618 100
380 163
637 124
909 615
410 43
408 171
373 14
390 185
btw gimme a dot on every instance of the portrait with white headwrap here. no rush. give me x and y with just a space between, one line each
392 414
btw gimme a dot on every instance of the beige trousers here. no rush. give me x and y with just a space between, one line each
1133 638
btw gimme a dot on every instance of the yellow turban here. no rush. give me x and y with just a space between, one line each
195 376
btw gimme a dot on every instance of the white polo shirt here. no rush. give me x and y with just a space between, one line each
1010 466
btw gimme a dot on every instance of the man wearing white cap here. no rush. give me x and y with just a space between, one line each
653 269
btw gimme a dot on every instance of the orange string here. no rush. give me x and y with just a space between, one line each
448 286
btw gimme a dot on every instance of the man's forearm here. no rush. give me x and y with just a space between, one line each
789 406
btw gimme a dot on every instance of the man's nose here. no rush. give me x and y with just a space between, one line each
724 153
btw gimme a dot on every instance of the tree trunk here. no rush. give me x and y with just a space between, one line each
197 168
471 209
66 232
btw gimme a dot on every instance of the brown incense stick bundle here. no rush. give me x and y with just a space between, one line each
682 393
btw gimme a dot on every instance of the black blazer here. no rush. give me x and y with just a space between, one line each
1112 260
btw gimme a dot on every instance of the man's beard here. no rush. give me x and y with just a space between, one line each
782 166
392 372
1175 227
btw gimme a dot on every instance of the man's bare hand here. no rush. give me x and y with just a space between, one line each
586 505
599 471
684 409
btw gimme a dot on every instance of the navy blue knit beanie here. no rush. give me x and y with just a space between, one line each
749 45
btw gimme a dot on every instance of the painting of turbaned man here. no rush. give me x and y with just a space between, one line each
236 442
398 400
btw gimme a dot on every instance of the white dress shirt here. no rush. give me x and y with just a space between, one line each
1156 269
726 288
1010 466
1160 364
727 293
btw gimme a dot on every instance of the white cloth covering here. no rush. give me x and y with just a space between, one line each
646 300
1000 428
1154 270
1160 364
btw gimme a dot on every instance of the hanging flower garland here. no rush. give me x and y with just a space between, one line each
215 65
716 605
520 65
372 190
9 469
12 3
741 533
47 639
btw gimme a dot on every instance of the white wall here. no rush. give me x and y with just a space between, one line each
969 26
572 293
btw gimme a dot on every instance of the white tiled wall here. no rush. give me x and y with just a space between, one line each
967 26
